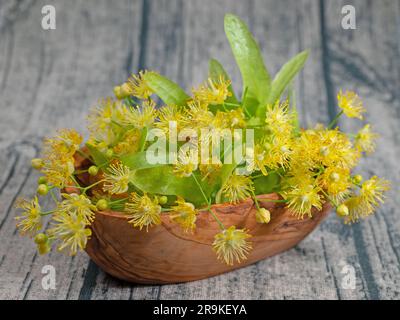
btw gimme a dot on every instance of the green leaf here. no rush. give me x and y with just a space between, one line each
267 184
248 57
286 75
137 161
215 70
162 180
166 89
98 157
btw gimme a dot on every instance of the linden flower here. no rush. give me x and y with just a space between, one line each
237 188
103 120
79 205
198 115
187 162
365 139
302 199
58 171
64 144
169 114
351 104
231 244
116 178
138 87
336 181
141 117
372 191
213 91
370 196
71 230
279 120
30 221
129 143
236 118
278 152
184 213
143 211
255 159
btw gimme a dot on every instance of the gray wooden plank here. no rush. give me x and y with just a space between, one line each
366 60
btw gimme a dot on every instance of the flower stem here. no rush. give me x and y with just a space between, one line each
221 225
335 120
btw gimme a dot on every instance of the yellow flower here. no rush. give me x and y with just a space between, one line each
30 221
141 117
278 119
235 118
351 104
278 151
116 178
78 205
237 188
231 244
197 115
336 181
372 191
365 139
104 120
143 211
129 143
58 172
184 213
138 87
187 162
365 203
64 144
71 230
213 91
302 199
166 115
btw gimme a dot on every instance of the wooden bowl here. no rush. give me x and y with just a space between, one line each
166 254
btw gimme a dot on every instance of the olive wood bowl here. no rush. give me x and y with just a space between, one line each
166 254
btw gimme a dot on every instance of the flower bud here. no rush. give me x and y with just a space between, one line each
43 248
162 200
40 238
263 215
117 92
109 153
342 210
37 163
358 178
93 170
42 180
125 91
102 205
42 189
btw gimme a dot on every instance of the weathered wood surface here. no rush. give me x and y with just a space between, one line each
48 79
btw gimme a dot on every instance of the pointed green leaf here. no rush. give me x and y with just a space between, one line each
215 70
286 75
248 57
167 90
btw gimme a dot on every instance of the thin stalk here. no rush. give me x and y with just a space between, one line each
335 120
221 225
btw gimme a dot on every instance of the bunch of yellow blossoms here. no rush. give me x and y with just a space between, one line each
313 167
